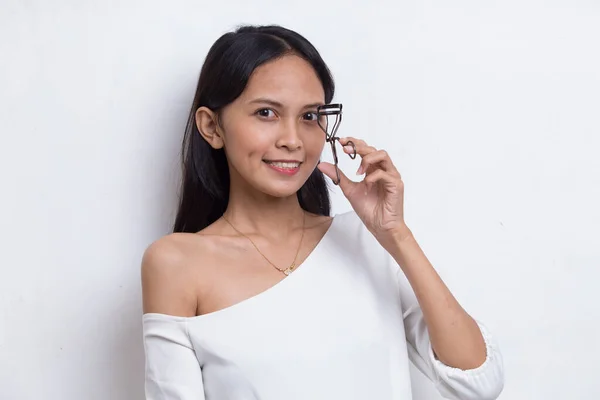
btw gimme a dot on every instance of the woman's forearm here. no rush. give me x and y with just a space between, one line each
455 336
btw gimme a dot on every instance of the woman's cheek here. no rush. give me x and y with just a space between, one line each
314 145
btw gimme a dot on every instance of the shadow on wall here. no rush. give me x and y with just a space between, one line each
155 193
125 361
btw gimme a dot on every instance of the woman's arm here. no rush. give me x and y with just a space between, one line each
445 343
172 370
455 336
379 202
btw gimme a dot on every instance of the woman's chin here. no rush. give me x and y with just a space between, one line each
282 192
282 189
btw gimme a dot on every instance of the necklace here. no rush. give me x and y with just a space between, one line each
287 270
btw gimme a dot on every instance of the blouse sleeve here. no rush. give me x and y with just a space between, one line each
482 383
172 369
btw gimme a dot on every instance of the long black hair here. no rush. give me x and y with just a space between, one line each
204 192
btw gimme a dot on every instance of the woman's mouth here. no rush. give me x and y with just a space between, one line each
284 167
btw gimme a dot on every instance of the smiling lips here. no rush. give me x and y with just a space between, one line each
283 166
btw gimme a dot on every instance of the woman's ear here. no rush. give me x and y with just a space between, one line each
208 126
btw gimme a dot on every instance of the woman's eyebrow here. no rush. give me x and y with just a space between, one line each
270 102
314 105
275 103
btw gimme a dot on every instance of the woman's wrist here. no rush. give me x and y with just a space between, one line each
398 241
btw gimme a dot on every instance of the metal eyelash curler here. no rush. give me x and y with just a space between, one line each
329 117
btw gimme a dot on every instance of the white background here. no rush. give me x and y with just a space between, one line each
490 109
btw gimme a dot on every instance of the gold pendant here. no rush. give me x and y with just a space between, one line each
289 269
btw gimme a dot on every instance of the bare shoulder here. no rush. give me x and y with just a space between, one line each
170 269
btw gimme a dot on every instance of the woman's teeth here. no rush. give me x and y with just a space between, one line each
289 165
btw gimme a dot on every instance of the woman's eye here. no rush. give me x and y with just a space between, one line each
266 113
311 116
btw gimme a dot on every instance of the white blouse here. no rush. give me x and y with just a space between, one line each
342 326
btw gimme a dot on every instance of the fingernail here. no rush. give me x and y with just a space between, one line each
348 148
359 171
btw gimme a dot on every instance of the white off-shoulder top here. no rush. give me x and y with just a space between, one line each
344 325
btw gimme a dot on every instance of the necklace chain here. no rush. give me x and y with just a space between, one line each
287 270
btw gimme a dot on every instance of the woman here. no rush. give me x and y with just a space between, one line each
259 293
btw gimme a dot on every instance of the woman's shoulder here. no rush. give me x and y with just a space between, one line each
348 217
349 224
171 268
351 232
174 251
171 251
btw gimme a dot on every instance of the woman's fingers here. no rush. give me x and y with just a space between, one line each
370 156
380 176
362 149
329 169
377 158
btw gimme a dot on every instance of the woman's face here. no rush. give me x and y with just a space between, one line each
270 132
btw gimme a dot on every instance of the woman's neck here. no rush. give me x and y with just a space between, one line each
265 215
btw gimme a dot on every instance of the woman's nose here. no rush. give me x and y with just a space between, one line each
289 136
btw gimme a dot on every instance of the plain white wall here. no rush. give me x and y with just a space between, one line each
489 109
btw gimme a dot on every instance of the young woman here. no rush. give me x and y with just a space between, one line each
259 293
